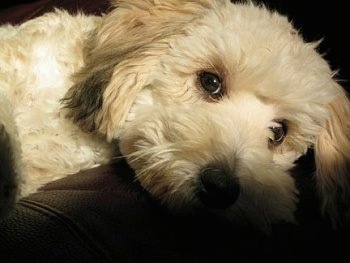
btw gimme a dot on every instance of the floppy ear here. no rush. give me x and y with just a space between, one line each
332 154
120 57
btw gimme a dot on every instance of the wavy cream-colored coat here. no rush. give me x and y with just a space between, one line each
72 87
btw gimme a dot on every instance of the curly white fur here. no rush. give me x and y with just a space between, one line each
73 85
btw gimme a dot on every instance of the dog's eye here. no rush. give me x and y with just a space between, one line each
211 83
279 130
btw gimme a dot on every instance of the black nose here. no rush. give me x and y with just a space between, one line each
217 188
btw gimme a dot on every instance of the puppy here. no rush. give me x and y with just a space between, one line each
210 102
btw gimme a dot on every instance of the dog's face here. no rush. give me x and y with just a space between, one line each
213 103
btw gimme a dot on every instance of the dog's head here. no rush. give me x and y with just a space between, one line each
213 103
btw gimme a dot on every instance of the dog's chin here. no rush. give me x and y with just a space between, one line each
191 161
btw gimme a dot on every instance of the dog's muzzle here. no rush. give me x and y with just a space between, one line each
217 188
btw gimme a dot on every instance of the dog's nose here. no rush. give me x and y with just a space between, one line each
218 188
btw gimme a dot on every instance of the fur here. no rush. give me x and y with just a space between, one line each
79 91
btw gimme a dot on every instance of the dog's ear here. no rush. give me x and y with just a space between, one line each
332 154
120 55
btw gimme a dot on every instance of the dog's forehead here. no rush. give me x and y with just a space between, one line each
246 27
248 24
252 48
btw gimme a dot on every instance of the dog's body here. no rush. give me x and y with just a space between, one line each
210 102
37 61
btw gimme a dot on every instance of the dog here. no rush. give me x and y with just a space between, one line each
210 102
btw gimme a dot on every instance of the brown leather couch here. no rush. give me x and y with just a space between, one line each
103 215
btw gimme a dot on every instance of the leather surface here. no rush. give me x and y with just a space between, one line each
26 10
102 215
